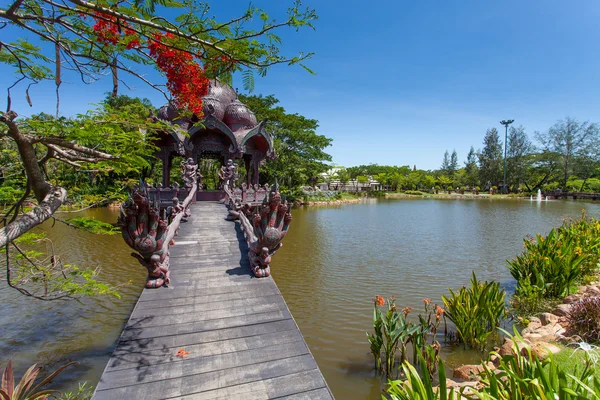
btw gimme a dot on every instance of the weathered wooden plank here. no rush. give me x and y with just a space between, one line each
203 382
230 274
209 272
241 294
208 262
201 280
198 251
149 372
123 359
162 320
186 339
186 291
134 332
211 266
298 383
203 308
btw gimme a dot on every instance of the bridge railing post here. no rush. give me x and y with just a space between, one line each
264 227
147 230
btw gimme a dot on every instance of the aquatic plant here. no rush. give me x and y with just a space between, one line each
393 331
420 386
84 392
94 226
584 319
25 389
476 311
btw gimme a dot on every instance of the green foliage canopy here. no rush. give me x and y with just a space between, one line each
300 149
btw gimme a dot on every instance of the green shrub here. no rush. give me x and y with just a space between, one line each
9 195
586 233
518 377
593 185
584 319
476 311
551 266
524 376
414 192
550 187
530 301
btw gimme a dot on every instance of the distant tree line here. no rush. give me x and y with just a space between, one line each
566 156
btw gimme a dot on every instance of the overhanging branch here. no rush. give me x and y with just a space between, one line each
49 140
39 214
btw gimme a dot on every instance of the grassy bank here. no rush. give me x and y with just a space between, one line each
454 196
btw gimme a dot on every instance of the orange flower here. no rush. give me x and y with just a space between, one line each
379 301
426 301
406 311
182 353
439 310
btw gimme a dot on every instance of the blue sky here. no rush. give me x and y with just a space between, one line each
399 82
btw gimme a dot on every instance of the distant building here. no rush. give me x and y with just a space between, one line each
331 182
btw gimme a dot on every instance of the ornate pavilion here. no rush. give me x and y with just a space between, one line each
230 131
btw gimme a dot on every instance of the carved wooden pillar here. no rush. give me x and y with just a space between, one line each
255 164
248 170
166 178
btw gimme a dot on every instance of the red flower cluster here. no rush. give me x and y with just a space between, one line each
186 79
108 30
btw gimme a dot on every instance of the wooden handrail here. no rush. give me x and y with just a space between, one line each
174 225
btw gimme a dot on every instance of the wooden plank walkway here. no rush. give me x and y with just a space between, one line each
242 340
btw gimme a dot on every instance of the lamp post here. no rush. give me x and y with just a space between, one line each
506 123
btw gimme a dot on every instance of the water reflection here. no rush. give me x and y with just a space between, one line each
334 261
52 333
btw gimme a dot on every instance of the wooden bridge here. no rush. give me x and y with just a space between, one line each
573 195
216 331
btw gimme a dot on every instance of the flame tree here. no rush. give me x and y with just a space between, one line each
120 39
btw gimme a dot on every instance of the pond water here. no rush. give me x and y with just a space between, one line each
334 261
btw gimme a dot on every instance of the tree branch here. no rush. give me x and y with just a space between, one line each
72 157
11 10
55 198
48 140
34 173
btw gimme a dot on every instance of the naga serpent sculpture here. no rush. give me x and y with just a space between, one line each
263 229
145 231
